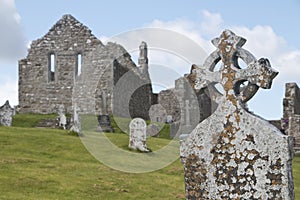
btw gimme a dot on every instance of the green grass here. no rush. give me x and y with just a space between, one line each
51 164
296 174
30 120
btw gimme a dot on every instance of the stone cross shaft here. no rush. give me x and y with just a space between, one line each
233 154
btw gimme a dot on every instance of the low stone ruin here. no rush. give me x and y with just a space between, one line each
290 121
234 154
6 114
137 136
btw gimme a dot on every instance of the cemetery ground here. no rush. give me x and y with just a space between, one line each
41 163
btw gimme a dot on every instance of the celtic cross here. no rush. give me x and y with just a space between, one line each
231 76
232 153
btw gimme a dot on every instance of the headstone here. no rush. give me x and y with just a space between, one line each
153 130
6 114
104 124
62 117
137 137
234 154
76 127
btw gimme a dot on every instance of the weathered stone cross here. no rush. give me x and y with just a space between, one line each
259 73
233 154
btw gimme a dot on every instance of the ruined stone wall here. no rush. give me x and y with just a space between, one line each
291 101
290 121
294 130
168 100
173 100
88 84
38 92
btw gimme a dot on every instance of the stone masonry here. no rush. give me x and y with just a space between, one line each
234 154
186 105
6 114
70 65
290 121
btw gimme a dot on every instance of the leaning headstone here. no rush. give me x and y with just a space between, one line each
234 154
137 136
6 114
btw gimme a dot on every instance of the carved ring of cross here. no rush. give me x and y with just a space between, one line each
258 73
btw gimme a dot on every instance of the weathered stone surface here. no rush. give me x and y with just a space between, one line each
174 101
76 124
291 113
137 137
233 154
294 131
6 114
157 113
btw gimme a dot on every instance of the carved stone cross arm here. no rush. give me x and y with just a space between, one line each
259 73
229 50
206 77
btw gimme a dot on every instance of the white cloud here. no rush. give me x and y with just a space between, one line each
12 40
212 22
9 91
12 48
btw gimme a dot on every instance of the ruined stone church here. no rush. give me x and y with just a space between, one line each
70 66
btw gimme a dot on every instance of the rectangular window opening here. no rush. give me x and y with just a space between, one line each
52 67
79 62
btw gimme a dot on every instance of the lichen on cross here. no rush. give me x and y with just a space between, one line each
231 154
231 76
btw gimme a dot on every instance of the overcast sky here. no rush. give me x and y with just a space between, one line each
271 28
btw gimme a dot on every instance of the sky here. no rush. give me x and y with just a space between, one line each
271 28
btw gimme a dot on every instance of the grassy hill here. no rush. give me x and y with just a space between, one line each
39 163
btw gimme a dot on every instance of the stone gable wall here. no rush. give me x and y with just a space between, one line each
101 68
